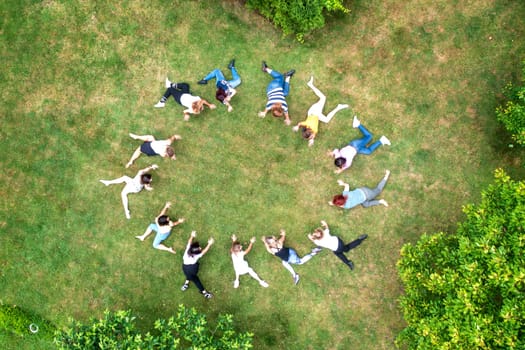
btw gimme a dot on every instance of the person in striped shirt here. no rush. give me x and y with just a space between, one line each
277 91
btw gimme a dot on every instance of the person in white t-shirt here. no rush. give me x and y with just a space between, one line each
152 147
240 265
322 238
343 157
190 264
182 95
133 185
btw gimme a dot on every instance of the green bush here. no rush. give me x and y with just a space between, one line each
14 319
187 329
467 290
297 17
512 113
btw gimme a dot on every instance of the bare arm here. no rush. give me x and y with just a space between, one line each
252 241
210 242
262 114
344 184
209 105
164 210
282 237
145 170
287 120
266 245
173 138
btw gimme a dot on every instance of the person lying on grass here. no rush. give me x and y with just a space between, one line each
152 147
322 238
287 255
240 265
310 126
276 91
182 95
361 195
344 156
225 88
190 264
162 227
133 185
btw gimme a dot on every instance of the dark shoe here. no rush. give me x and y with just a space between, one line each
290 73
350 265
232 64
362 237
264 66
202 82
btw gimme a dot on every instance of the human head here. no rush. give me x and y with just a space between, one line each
236 247
271 241
221 95
340 162
164 220
197 106
307 132
195 248
145 179
170 152
339 200
277 110
318 233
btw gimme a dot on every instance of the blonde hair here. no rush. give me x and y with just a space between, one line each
197 106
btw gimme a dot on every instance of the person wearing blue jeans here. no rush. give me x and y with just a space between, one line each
225 88
287 255
344 156
276 91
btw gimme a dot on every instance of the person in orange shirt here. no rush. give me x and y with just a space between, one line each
310 126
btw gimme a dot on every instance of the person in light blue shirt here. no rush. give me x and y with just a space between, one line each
361 195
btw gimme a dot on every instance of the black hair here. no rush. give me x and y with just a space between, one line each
339 162
145 179
195 248
307 132
163 220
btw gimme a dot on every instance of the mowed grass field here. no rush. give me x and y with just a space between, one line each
78 76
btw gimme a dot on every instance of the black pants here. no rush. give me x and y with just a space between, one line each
191 271
176 90
345 248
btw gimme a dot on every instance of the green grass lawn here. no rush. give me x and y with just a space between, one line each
78 76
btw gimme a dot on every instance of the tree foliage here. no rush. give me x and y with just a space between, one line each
467 290
188 329
297 17
512 113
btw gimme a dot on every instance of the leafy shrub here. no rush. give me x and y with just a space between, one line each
187 329
14 319
297 17
512 114
467 290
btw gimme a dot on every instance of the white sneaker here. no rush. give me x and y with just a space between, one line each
264 284
384 140
167 83
128 216
356 122
236 284
105 182
160 105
